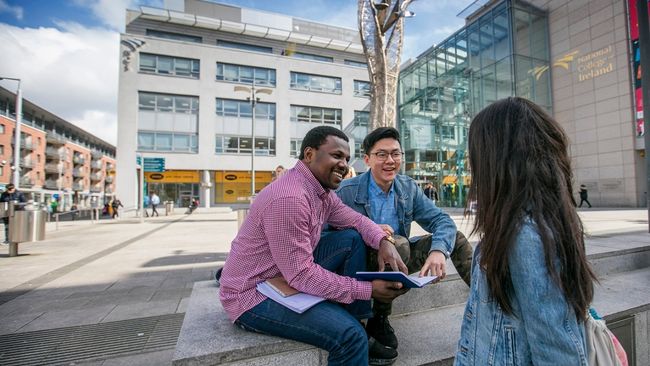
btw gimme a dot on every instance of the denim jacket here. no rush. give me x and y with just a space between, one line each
543 329
412 205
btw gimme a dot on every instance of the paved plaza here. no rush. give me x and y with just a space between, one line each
115 292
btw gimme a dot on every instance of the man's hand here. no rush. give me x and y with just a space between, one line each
387 229
385 291
436 264
388 254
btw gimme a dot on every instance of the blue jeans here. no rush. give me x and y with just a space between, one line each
330 326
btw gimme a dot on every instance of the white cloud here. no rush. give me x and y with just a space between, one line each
17 11
112 12
71 72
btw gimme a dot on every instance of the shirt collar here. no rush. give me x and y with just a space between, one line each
311 180
375 190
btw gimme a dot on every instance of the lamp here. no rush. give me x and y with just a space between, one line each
19 116
253 99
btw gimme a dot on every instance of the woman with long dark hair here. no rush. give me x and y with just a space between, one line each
531 282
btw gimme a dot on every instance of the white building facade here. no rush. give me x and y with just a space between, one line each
177 99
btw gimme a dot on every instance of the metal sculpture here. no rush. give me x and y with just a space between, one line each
381 27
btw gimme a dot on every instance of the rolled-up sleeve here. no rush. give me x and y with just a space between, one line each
287 228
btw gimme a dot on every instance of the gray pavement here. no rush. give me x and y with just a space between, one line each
132 281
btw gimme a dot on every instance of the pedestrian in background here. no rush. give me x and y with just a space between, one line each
279 171
11 194
155 201
531 282
584 195
116 204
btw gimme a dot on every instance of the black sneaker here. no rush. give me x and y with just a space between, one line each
379 328
379 355
217 276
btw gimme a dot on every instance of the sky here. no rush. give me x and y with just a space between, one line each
66 52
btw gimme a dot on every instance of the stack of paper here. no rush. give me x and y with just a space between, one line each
298 302
410 281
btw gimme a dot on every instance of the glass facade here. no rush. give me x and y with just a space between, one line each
503 52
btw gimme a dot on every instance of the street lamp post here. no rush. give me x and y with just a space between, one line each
253 99
19 116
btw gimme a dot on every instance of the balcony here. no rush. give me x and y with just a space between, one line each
110 167
78 159
95 189
26 163
108 179
96 177
53 184
108 190
54 153
54 139
77 173
53 168
96 165
26 181
96 155
77 186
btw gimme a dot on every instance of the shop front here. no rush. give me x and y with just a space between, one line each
235 186
179 186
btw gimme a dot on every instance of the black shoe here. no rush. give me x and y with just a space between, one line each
379 328
217 276
379 355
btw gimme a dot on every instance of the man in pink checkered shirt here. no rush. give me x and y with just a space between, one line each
282 237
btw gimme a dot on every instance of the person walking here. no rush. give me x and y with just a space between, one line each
531 282
11 194
116 204
584 195
155 201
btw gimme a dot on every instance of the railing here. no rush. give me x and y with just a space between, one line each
54 153
53 184
54 139
77 187
96 155
77 173
108 179
78 159
95 189
96 177
110 167
52 168
96 165
92 213
26 182
26 163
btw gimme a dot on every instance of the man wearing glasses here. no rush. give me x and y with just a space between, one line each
394 201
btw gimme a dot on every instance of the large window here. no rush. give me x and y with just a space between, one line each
294 147
242 145
309 56
168 122
167 65
244 46
234 127
326 84
246 74
356 63
174 36
317 115
361 88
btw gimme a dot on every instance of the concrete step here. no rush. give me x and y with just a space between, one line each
427 337
426 320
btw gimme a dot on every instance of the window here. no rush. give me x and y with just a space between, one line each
448 132
356 63
242 145
2 149
174 36
246 74
168 122
294 147
326 84
167 65
2 129
316 115
361 88
309 56
244 46
242 108
361 118
2 170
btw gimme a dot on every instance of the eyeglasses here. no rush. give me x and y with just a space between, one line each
383 155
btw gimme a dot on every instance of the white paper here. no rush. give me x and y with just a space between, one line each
298 302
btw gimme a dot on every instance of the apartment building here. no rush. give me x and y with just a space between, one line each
178 105
58 160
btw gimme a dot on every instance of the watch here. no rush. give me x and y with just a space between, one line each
390 239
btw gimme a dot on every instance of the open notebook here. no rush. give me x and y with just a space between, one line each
410 281
278 290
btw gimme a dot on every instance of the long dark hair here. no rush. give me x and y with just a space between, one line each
521 168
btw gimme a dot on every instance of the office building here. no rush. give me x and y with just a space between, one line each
58 160
178 105
578 59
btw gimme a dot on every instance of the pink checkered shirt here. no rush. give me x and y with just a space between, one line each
279 237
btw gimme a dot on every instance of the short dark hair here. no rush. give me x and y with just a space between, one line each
378 134
317 136
10 186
